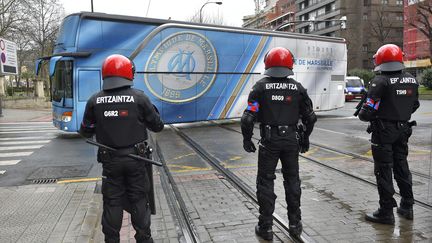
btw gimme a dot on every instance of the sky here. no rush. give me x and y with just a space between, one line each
232 11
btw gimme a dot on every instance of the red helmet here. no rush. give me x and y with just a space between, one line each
389 58
278 62
117 71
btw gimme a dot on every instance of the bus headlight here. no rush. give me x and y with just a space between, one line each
66 116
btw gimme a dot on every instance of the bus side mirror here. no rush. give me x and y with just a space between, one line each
53 63
38 63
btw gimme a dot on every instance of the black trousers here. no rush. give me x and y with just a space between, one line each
390 151
270 151
125 178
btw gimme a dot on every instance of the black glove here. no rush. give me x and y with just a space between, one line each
249 146
304 146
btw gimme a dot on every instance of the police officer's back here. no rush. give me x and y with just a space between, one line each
278 102
391 99
119 116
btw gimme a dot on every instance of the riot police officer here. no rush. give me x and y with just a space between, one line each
391 99
119 116
277 103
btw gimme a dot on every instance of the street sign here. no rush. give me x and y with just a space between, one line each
8 57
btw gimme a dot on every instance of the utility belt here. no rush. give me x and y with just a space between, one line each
269 131
380 124
141 149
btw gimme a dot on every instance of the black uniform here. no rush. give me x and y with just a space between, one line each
120 117
278 104
391 99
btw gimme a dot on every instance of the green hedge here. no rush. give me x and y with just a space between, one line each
364 74
426 78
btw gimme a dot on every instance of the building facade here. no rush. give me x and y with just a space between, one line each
416 43
369 23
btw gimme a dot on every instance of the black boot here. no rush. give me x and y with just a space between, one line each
382 216
264 232
406 212
296 229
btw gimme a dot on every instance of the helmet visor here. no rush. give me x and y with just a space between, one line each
115 82
390 67
278 72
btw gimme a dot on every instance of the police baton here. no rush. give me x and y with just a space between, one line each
133 156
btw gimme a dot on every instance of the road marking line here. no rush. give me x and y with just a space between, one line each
345 134
9 162
2 172
25 142
338 118
25 138
182 156
17 154
79 180
20 147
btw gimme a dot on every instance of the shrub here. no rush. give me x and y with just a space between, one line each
364 74
426 78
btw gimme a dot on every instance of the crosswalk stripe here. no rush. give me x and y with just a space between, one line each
24 142
2 172
25 138
26 127
9 162
16 154
20 147
22 123
29 131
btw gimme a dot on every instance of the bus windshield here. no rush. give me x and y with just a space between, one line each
62 81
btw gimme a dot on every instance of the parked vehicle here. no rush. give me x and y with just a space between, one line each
354 88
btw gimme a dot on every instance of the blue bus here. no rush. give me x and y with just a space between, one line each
191 72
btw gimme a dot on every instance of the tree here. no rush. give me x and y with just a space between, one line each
11 15
208 19
44 19
364 74
381 26
423 21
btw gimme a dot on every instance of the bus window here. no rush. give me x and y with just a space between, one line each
62 81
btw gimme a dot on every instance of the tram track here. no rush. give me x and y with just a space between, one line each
361 157
239 184
372 183
175 201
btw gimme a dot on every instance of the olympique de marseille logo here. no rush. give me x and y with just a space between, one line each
191 63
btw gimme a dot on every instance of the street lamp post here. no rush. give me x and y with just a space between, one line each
200 12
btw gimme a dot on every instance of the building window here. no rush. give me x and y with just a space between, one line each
365 16
384 1
321 25
366 2
399 2
399 16
321 11
365 48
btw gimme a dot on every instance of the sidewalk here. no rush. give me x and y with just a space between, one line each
66 212
18 115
